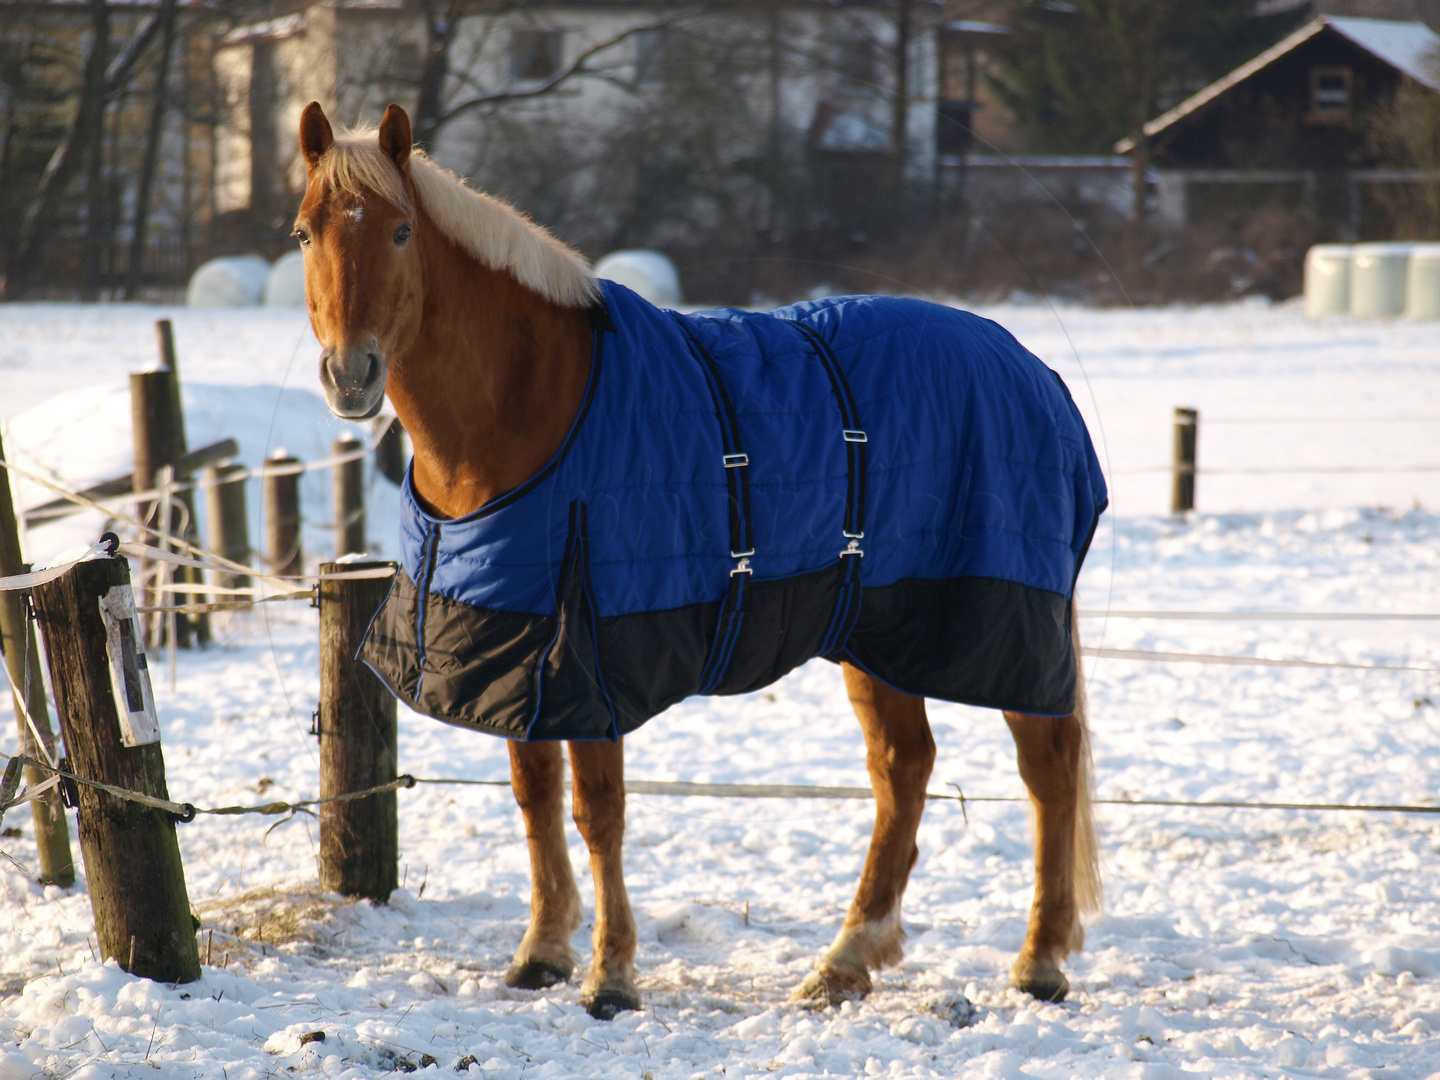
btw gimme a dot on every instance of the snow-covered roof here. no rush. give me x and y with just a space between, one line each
1410 47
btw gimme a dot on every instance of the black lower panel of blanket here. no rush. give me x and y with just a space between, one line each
979 641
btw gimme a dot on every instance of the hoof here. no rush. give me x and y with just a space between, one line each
535 975
831 986
1043 982
611 1002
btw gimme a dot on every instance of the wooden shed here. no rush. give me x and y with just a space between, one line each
1294 127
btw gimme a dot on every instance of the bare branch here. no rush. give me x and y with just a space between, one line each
576 68
117 75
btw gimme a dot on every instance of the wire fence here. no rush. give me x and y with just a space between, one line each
282 588
185 812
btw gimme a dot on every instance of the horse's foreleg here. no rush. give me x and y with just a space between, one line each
598 769
899 752
537 776
1051 754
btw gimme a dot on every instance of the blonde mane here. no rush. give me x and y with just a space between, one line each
489 229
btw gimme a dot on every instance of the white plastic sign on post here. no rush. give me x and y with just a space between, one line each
129 674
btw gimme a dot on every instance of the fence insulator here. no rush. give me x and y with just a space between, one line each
282 515
349 489
1182 491
107 716
229 526
27 685
359 840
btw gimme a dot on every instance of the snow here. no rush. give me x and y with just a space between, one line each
1234 943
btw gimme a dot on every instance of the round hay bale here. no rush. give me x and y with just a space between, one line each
1377 279
235 281
286 284
1422 289
1327 280
643 271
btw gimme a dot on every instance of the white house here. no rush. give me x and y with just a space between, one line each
812 78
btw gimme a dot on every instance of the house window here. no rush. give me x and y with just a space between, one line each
650 55
534 54
1329 94
855 60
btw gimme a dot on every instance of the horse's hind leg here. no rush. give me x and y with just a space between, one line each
1054 756
598 769
537 775
899 752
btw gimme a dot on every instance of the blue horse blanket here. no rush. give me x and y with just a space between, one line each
882 481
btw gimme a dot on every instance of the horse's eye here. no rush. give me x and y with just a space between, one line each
402 234
303 235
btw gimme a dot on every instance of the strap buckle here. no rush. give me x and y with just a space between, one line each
852 548
852 435
742 562
735 461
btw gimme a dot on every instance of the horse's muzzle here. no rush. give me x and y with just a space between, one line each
353 378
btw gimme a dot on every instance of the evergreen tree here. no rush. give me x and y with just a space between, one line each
1078 75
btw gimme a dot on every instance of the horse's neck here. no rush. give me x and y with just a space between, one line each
492 383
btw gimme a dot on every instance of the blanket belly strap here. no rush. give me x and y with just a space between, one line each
736 464
847 604
845 608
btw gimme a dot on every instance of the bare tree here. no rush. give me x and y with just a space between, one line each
447 91
83 143
156 132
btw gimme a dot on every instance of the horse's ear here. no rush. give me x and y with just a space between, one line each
315 134
395 136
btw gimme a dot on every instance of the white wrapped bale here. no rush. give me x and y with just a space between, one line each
646 272
236 281
1377 280
286 284
1422 287
1327 280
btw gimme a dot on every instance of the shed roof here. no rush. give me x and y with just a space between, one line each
1409 47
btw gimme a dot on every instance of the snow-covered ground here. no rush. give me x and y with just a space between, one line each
1234 943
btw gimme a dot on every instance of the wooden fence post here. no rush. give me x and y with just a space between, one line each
166 340
229 528
152 420
281 490
132 857
359 840
200 624
1182 490
27 686
349 490
390 451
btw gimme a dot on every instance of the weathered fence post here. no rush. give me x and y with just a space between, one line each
229 529
359 840
153 421
1182 490
165 340
349 489
27 686
107 716
281 486
390 451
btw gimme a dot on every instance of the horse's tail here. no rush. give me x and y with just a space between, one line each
1089 892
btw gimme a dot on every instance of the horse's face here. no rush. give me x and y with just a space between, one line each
362 271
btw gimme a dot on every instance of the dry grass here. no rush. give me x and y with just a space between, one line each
270 917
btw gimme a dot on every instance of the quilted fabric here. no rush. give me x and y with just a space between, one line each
979 493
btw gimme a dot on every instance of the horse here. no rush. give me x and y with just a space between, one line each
489 337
